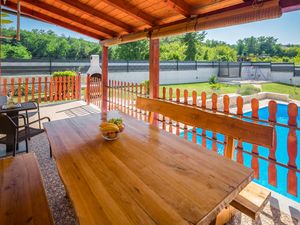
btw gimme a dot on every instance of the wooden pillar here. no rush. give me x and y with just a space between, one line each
154 68
104 78
154 73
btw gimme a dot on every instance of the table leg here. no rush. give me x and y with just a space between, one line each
10 146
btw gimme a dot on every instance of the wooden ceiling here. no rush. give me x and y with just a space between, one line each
118 21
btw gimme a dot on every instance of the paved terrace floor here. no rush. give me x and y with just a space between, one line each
60 205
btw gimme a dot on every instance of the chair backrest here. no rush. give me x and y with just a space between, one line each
6 125
231 127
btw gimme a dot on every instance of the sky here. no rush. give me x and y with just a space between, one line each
286 29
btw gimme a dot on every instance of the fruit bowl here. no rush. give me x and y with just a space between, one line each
110 136
111 130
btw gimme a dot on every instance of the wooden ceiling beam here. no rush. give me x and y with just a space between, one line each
40 16
180 6
217 5
244 14
59 12
75 4
290 5
132 11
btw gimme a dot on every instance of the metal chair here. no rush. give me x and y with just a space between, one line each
32 113
16 134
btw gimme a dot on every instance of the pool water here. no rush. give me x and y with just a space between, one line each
280 183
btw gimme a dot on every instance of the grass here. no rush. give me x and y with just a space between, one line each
199 87
294 92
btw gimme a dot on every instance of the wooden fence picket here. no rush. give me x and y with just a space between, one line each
26 88
239 112
164 90
194 103
170 99
12 86
19 89
214 100
272 171
203 106
254 160
185 101
46 89
292 147
32 88
226 103
4 86
39 89
178 101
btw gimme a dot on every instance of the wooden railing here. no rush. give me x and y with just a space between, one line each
122 97
42 89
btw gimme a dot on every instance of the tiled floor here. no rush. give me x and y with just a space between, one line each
61 207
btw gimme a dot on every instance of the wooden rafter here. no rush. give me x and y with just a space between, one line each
290 5
49 19
133 11
57 11
216 6
96 13
243 14
180 6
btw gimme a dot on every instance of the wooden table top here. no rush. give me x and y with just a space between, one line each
22 195
147 176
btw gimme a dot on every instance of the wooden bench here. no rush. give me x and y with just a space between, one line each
22 199
253 198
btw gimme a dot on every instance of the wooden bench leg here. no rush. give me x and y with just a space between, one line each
224 216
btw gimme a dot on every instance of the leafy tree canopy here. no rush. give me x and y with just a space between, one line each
190 46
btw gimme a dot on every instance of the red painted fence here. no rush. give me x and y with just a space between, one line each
122 97
42 89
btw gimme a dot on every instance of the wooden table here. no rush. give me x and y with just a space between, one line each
148 176
22 195
13 113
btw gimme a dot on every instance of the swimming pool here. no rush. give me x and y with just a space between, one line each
277 180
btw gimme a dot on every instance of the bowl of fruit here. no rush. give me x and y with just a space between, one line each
111 129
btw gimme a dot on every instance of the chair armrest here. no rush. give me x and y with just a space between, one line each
35 121
19 116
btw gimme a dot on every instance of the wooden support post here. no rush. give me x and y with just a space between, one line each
104 77
154 72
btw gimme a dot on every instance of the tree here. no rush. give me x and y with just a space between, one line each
138 50
16 52
173 51
191 40
223 53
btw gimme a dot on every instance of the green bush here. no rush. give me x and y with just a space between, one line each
64 73
213 80
248 89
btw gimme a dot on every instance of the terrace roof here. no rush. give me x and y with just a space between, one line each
120 21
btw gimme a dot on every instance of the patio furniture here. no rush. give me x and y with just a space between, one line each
252 199
14 134
23 199
32 113
146 176
14 114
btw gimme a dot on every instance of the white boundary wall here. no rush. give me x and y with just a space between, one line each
167 77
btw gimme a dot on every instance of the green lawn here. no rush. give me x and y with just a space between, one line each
294 92
199 87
